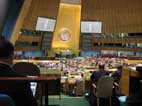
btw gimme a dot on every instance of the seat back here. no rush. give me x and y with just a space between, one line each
6 100
80 88
104 87
26 69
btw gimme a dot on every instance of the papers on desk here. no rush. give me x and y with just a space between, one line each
122 98
112 70
64 79
33 85
133 68
32 76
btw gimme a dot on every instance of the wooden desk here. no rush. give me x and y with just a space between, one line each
125 80
42 80
29 79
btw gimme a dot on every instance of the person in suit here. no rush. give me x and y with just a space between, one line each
94 79
117 74
97 74
20 91
116 77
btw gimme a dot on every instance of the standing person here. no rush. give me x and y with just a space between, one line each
20 91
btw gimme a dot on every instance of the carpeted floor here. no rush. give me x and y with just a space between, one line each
67 101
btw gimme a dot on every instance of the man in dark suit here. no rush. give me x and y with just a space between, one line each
116 77
94 79
20 91
117 74
97 74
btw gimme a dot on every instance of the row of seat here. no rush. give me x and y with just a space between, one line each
30 69
6 100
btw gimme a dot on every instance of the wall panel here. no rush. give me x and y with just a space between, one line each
116 15
46 8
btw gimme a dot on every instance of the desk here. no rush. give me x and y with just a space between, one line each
127 73
42 80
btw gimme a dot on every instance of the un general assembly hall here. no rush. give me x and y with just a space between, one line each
71 53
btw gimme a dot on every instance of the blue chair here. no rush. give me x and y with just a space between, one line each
6 100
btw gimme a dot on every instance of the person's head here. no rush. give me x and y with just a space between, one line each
6 50
119 67
101 66
139 67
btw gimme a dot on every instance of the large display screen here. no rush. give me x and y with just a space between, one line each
45 24
91 26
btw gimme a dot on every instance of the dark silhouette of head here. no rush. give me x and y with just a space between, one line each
139 68
6 50
119 67
101 66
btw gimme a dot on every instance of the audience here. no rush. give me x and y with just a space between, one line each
20 91
22 94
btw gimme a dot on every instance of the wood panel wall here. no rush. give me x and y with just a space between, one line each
98 48
45 8
26 48
117 40
30 38
19 22
116 15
